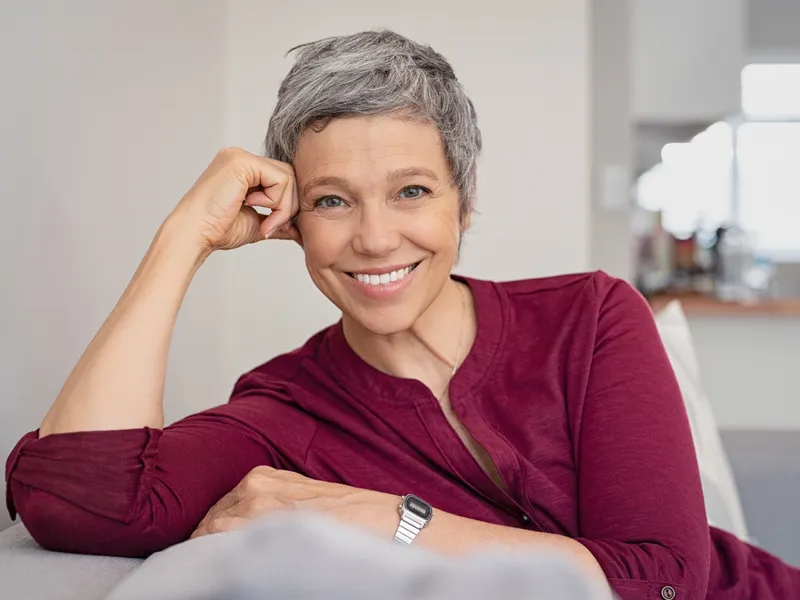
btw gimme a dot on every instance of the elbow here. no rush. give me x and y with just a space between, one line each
690 571
636 571
684 570
61 526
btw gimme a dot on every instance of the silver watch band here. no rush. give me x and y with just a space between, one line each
409 527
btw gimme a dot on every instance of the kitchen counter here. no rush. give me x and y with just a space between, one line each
696 305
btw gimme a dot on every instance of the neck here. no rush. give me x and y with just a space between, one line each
427 351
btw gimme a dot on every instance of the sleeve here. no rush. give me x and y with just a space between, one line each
135 492
641 506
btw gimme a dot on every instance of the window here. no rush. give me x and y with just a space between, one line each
771 91
745 169
692 183
769 185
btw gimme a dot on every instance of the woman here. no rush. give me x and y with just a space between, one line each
533 414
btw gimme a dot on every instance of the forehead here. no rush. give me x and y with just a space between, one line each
360 147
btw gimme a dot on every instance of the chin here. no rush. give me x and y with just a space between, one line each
385 321
384 310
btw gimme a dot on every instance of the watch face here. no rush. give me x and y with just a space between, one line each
419 507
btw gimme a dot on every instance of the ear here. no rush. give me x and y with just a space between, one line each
289 231
466 221
296 235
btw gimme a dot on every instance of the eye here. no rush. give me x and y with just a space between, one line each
413 192
329 202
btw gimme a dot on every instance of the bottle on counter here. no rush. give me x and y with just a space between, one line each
662 248
735 255
684 268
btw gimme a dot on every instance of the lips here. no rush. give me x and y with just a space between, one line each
389 276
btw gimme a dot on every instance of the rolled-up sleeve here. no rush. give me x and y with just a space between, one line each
70 466
642 513
138 491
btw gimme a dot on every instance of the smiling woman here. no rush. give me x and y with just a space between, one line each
440 411
377 199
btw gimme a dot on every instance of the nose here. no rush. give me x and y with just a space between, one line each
377 234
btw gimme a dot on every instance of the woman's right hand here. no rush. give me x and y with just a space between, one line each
127 359
219 204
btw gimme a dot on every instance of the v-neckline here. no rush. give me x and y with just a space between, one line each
351 369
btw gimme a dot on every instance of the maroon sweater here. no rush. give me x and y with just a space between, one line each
567 387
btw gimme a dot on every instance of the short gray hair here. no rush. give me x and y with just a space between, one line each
372 73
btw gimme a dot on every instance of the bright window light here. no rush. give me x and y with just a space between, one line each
769 184
771 91
692 184
704 183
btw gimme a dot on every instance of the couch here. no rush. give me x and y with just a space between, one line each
292 555
751 481
765 465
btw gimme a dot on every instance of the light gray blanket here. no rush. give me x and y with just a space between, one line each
307 557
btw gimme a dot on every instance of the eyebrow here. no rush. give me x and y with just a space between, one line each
392 176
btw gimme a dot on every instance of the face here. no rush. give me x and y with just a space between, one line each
379 217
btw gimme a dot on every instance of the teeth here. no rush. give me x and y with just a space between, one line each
384 278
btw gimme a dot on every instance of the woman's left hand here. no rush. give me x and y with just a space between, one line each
266 490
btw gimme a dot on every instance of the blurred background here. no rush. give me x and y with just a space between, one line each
659 141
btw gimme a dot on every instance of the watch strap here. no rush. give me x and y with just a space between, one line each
409 527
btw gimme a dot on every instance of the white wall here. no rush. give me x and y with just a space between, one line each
108 113
111 110
526 67
611 236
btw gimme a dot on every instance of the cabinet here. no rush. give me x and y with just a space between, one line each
687 59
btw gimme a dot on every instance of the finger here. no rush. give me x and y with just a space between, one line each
257 197
287 231
266 180
249 485
279 217
285 210
257 506
220 525
251 223
294 476
224 503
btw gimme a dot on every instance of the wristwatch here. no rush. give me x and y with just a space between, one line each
415 514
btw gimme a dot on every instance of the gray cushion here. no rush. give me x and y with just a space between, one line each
309 557
723 507
31 573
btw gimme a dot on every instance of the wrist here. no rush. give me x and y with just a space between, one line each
415 515
374 511
178 232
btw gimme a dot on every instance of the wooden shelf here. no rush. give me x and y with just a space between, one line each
695 305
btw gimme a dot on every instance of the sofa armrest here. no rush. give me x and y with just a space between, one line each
28 571
766 466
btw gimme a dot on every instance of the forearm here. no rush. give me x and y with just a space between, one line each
118 383
452 534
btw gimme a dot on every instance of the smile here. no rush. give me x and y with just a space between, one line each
377 279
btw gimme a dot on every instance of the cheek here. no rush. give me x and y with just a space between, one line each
324 241
437 229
